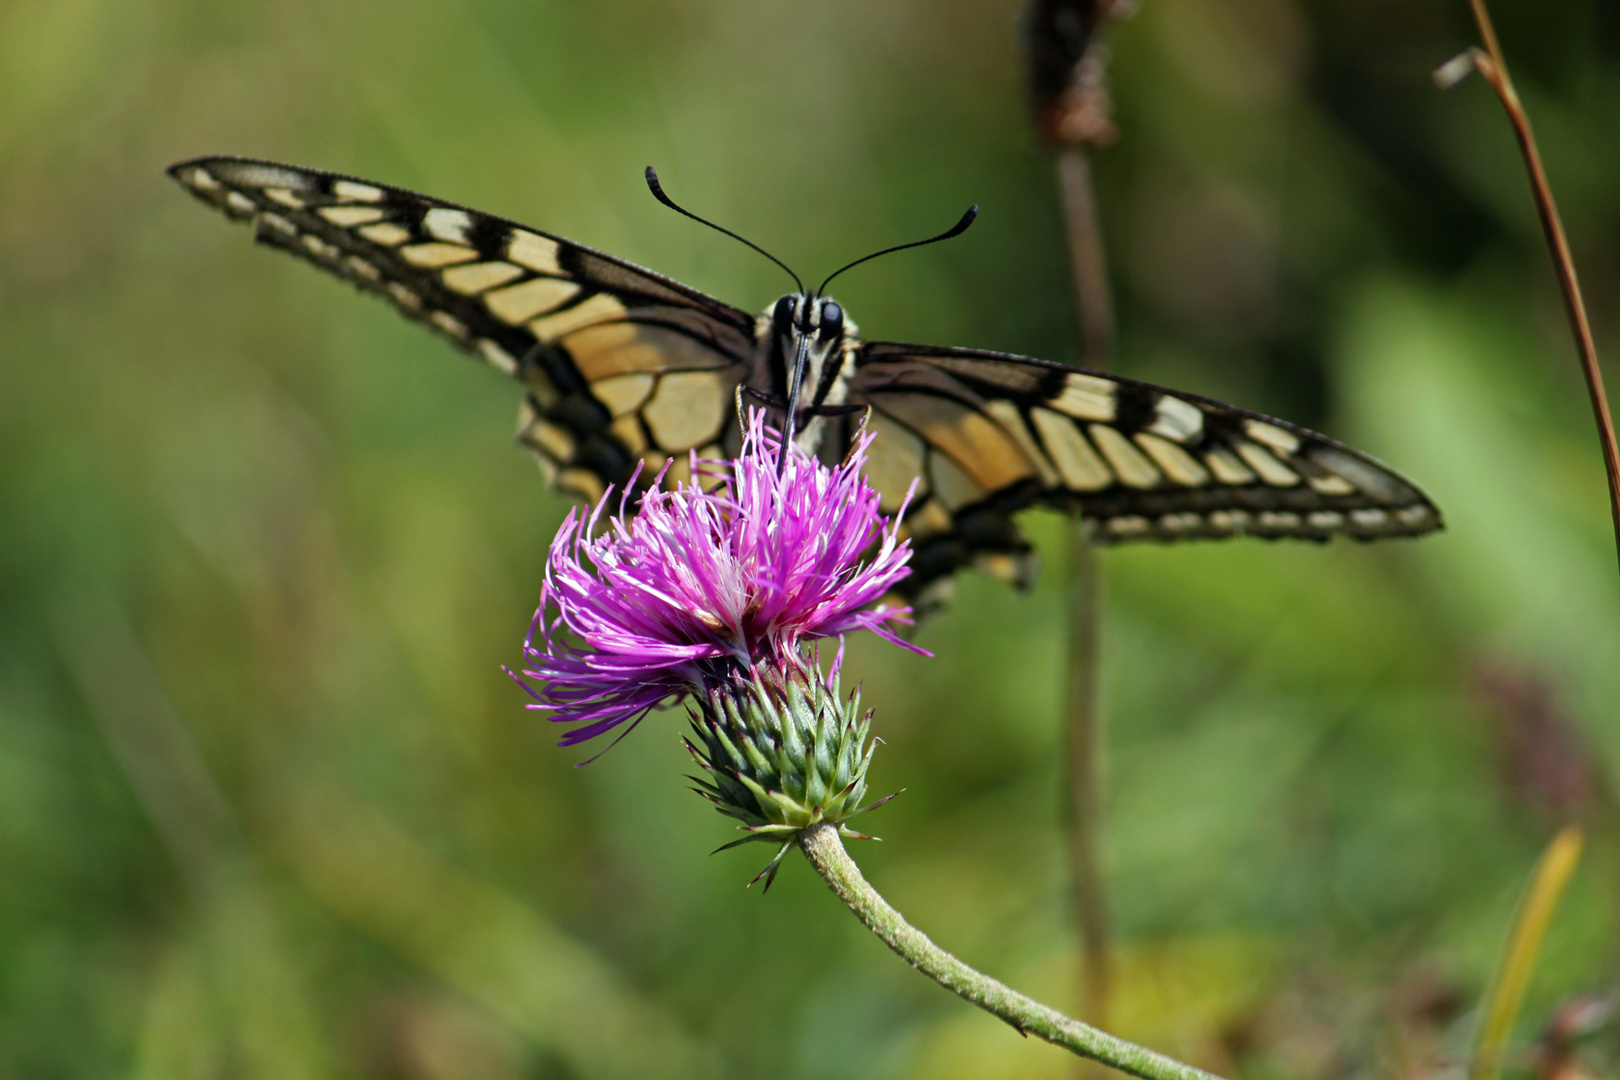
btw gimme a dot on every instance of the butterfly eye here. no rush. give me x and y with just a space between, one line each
782 317
832 320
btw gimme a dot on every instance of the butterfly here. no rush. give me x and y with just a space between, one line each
621 366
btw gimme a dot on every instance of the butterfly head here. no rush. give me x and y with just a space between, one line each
816 319
809 339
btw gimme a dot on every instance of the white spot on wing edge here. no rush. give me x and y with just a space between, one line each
259 175
347 217
240 202
536 252
200 178
1285 443
1177 419
447 224
362 268
449 324
497 356
318 247
279 223
351 189
1087 397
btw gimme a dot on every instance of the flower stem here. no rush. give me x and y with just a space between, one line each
826 853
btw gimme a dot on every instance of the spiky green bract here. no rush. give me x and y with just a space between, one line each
782 752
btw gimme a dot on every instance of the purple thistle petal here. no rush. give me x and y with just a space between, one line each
638 611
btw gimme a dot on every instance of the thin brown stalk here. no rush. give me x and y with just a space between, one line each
1085 728
1085 780
1094 298
1493 67
1067 69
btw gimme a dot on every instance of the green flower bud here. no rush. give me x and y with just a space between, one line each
782 754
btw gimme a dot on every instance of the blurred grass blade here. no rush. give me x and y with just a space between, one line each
237 966
1547 885
476 937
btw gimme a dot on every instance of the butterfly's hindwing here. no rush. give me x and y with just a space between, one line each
620 364
988 434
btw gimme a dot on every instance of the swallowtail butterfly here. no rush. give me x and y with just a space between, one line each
620 365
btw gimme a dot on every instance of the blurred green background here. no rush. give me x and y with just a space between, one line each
268 806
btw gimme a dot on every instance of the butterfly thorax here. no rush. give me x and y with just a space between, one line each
810 333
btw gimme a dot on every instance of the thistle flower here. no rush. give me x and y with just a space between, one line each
700 586
714 595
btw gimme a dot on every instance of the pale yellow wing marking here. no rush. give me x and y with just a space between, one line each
1132 468
894 460
687 409
985 453
479 277
1086 397
1078 463
1268 467
517 304
623 393
1228 469
1172 460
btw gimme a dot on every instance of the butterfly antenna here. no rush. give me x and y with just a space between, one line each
955 230
658 193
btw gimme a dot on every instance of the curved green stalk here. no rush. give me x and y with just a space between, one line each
826 853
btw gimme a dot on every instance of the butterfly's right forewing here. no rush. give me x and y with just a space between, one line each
988 434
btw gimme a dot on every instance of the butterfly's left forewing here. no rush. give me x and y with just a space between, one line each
620 364
988 434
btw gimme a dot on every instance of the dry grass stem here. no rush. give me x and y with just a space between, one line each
1493 68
